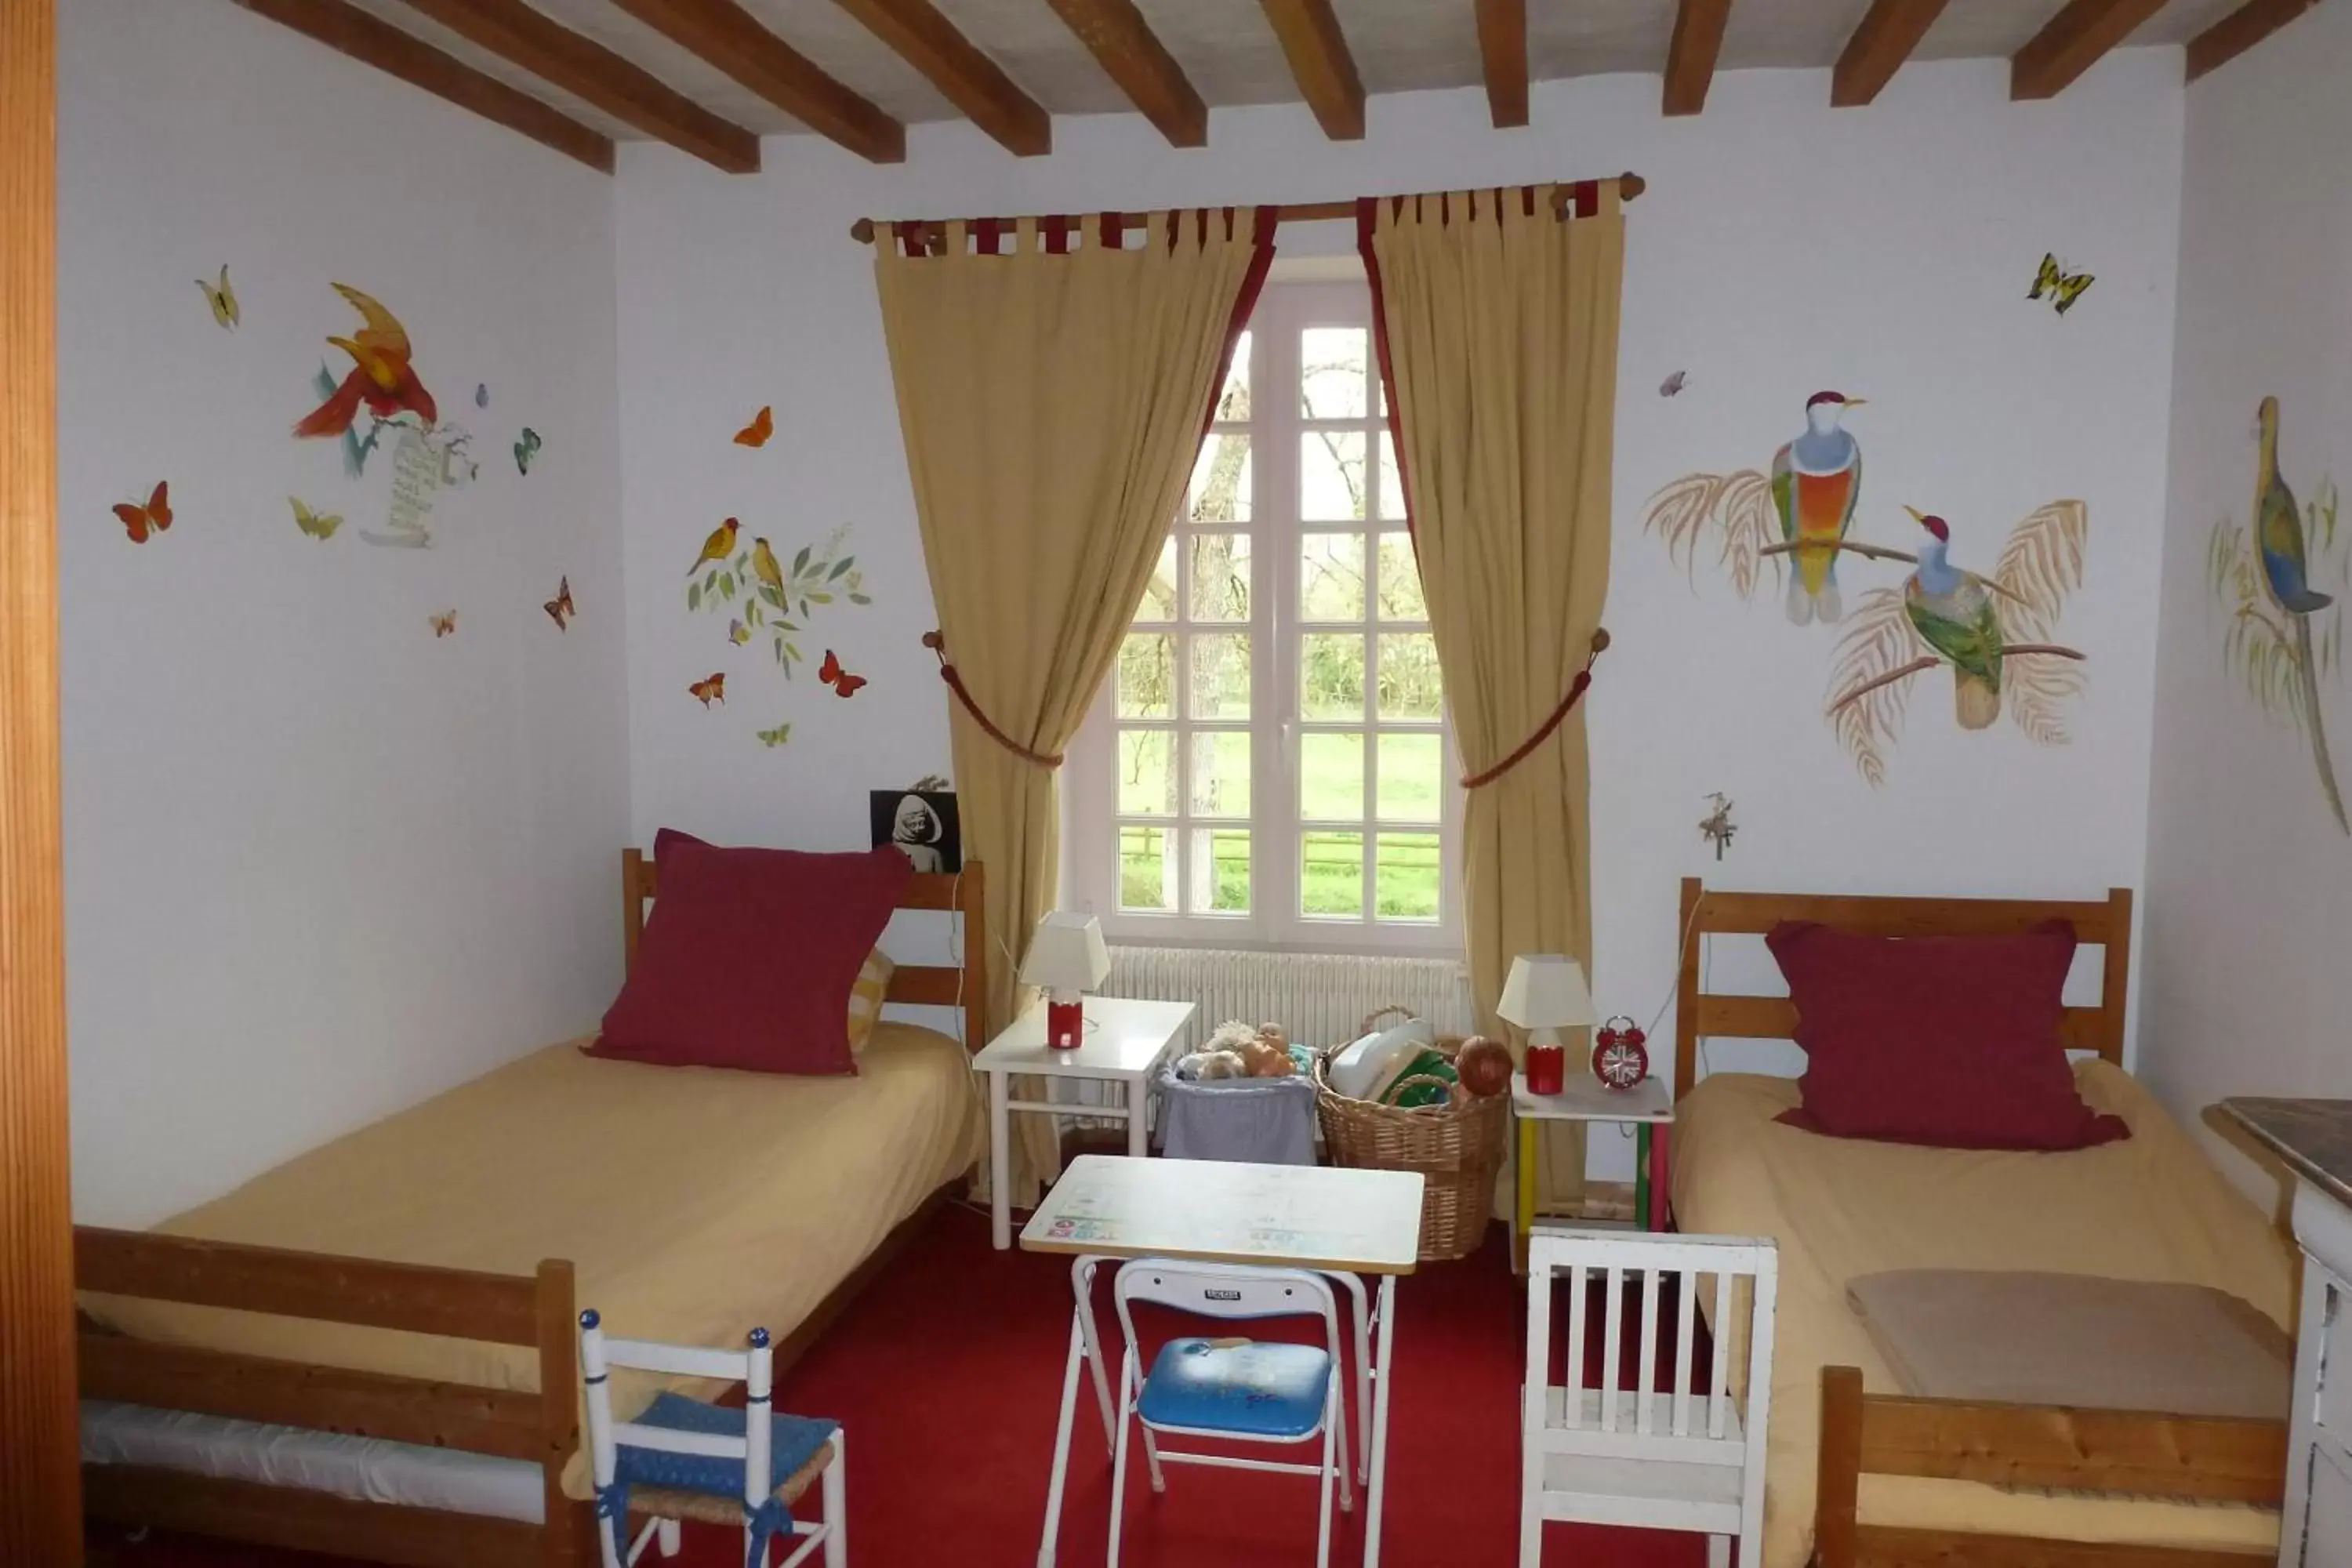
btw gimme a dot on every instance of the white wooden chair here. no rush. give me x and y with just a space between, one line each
1648 1457
1235 1390
685 1459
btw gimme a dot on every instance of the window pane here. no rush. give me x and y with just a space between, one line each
1331 775
1404 876
1221 577
1391 483
1331 476
1411 777
1234 402
1220 773
1221 871
1146 675
1221 480
1400 583
1408 684
1331 373
1160 593
1221 676
1331 576
1147 772
1147 871
1331 675
1331 874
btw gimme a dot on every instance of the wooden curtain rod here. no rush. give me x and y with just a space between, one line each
1628 186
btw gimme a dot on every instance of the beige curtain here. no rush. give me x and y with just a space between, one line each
1052 406
1500 322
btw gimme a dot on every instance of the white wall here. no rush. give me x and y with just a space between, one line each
1783 247
319 863
2250 878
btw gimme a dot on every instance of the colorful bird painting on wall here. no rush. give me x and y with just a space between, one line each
2264 575
383 378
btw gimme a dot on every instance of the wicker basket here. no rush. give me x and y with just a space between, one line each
1457 1147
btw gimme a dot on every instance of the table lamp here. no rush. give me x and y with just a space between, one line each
1544 994
1067 956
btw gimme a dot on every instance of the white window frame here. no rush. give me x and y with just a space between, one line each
1285 309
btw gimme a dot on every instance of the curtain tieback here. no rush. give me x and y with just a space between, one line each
1576 690
949 673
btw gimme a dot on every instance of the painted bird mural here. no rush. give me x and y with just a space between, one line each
2284 572
1816 482
383 377
764 565
717 547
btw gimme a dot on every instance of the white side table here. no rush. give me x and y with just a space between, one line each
1126 1041
1648 1104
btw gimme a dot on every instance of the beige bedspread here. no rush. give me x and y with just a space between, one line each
694 1203
2148 1207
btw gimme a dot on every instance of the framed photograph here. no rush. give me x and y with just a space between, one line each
922 822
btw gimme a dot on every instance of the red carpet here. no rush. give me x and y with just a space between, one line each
946 1372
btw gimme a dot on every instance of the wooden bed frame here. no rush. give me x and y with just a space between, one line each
2121 1451
538 1310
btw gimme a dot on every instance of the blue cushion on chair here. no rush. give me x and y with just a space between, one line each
795 1441
1263 1390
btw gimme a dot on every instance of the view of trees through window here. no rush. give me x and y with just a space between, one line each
1278 695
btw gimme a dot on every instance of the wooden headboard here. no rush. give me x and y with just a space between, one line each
2105 924
931 985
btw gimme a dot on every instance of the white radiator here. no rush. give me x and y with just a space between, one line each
1321 999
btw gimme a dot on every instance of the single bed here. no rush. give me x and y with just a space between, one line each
2149 1207
293 1363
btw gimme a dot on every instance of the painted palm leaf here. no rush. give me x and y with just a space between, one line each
1679 514
2040 565
1749 521
1878 639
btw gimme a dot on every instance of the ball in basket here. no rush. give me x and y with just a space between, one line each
1483 1066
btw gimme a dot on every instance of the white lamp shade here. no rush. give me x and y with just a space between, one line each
1546 991
1067 953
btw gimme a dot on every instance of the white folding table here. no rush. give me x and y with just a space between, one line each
1343 1223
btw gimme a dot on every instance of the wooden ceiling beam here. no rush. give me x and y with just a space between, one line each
733 41
1115 32
1503 49
1320 60
2072 43
969 80
595 74
2240 30
350 31
1878 48
1690 58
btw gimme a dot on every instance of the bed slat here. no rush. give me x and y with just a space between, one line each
2200 1459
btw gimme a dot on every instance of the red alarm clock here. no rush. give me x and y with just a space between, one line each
1621 1059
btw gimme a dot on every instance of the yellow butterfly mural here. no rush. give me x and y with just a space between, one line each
313 523
222 297
775 737
2061 288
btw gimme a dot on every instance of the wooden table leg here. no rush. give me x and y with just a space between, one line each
1383 1374
1523 1218
1641 1216
999 1160
1661 1204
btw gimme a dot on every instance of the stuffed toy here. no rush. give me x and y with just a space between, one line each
1202 1066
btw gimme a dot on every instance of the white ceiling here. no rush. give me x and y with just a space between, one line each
1229 52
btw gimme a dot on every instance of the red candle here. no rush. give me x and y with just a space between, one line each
1065 1023
1547 1069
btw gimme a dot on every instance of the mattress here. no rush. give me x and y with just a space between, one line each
2148 1207
695 1203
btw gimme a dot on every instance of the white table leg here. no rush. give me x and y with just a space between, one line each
1383 1373
1139 1117
999 1160
1062 1441
1082 1287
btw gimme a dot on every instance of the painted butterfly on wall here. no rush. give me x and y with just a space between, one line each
844 684
711 691
775 737
756 434
738 633
526 448
222 297
2062 288
143 522
442 624
560 606
314 524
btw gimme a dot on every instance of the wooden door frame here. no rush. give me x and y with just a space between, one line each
40 1475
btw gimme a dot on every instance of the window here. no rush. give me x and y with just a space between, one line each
1269 765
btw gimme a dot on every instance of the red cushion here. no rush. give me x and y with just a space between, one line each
1944 1040
749 957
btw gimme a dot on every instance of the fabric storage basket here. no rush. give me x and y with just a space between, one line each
1456 1147
1268 1120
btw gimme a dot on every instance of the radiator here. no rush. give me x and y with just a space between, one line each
1321 999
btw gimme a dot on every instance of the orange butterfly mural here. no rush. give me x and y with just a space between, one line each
711 691
561 607
444 624
844 684
756 434
143 522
